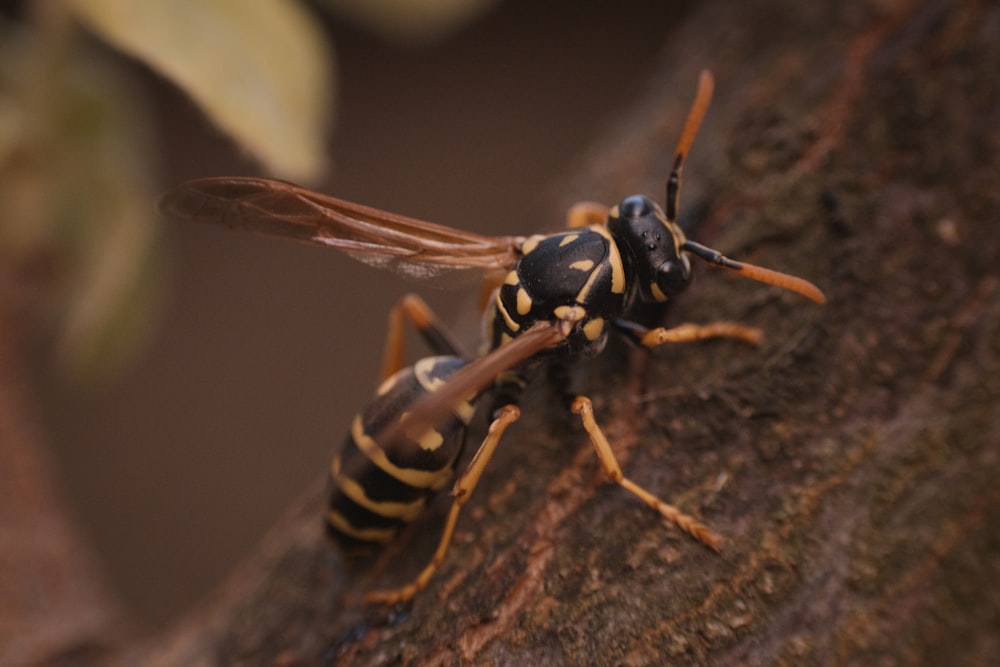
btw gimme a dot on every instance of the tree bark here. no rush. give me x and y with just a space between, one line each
55 605
849 461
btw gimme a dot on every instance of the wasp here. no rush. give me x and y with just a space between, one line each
558 298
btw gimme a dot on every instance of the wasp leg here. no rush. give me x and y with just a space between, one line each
464 487
583 407
585 213
413 308
687 333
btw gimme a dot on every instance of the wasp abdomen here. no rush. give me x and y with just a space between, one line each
380 487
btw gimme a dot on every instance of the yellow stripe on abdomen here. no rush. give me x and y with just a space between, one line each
421 479
378 535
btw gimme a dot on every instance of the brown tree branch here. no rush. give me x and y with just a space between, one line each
849 461
54 603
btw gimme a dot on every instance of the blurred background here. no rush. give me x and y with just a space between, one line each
255 353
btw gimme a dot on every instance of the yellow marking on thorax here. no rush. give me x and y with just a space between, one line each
569 238
523 301
582 265
584 293
614 258
617 270
511 324
657 293
570 314
511 278
531 243
421 479
594 328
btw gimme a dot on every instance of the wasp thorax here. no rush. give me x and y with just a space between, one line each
650 247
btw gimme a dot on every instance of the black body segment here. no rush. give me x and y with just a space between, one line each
651 248
577 274
378 487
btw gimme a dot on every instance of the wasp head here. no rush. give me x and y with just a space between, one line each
651 248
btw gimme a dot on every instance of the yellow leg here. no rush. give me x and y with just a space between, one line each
413 308
688 333
463 489
583 407
586 213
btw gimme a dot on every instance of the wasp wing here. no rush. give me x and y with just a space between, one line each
408 246
436 407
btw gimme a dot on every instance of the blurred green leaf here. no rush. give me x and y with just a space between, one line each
260 69
105 198
76 187
411 20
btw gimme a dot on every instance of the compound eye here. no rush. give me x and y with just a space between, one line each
635 207
673 275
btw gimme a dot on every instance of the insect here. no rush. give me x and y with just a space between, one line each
559 297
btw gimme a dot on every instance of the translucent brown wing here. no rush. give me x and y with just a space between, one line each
411 247
436 407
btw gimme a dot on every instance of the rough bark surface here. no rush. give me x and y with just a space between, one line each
55 607
850 461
